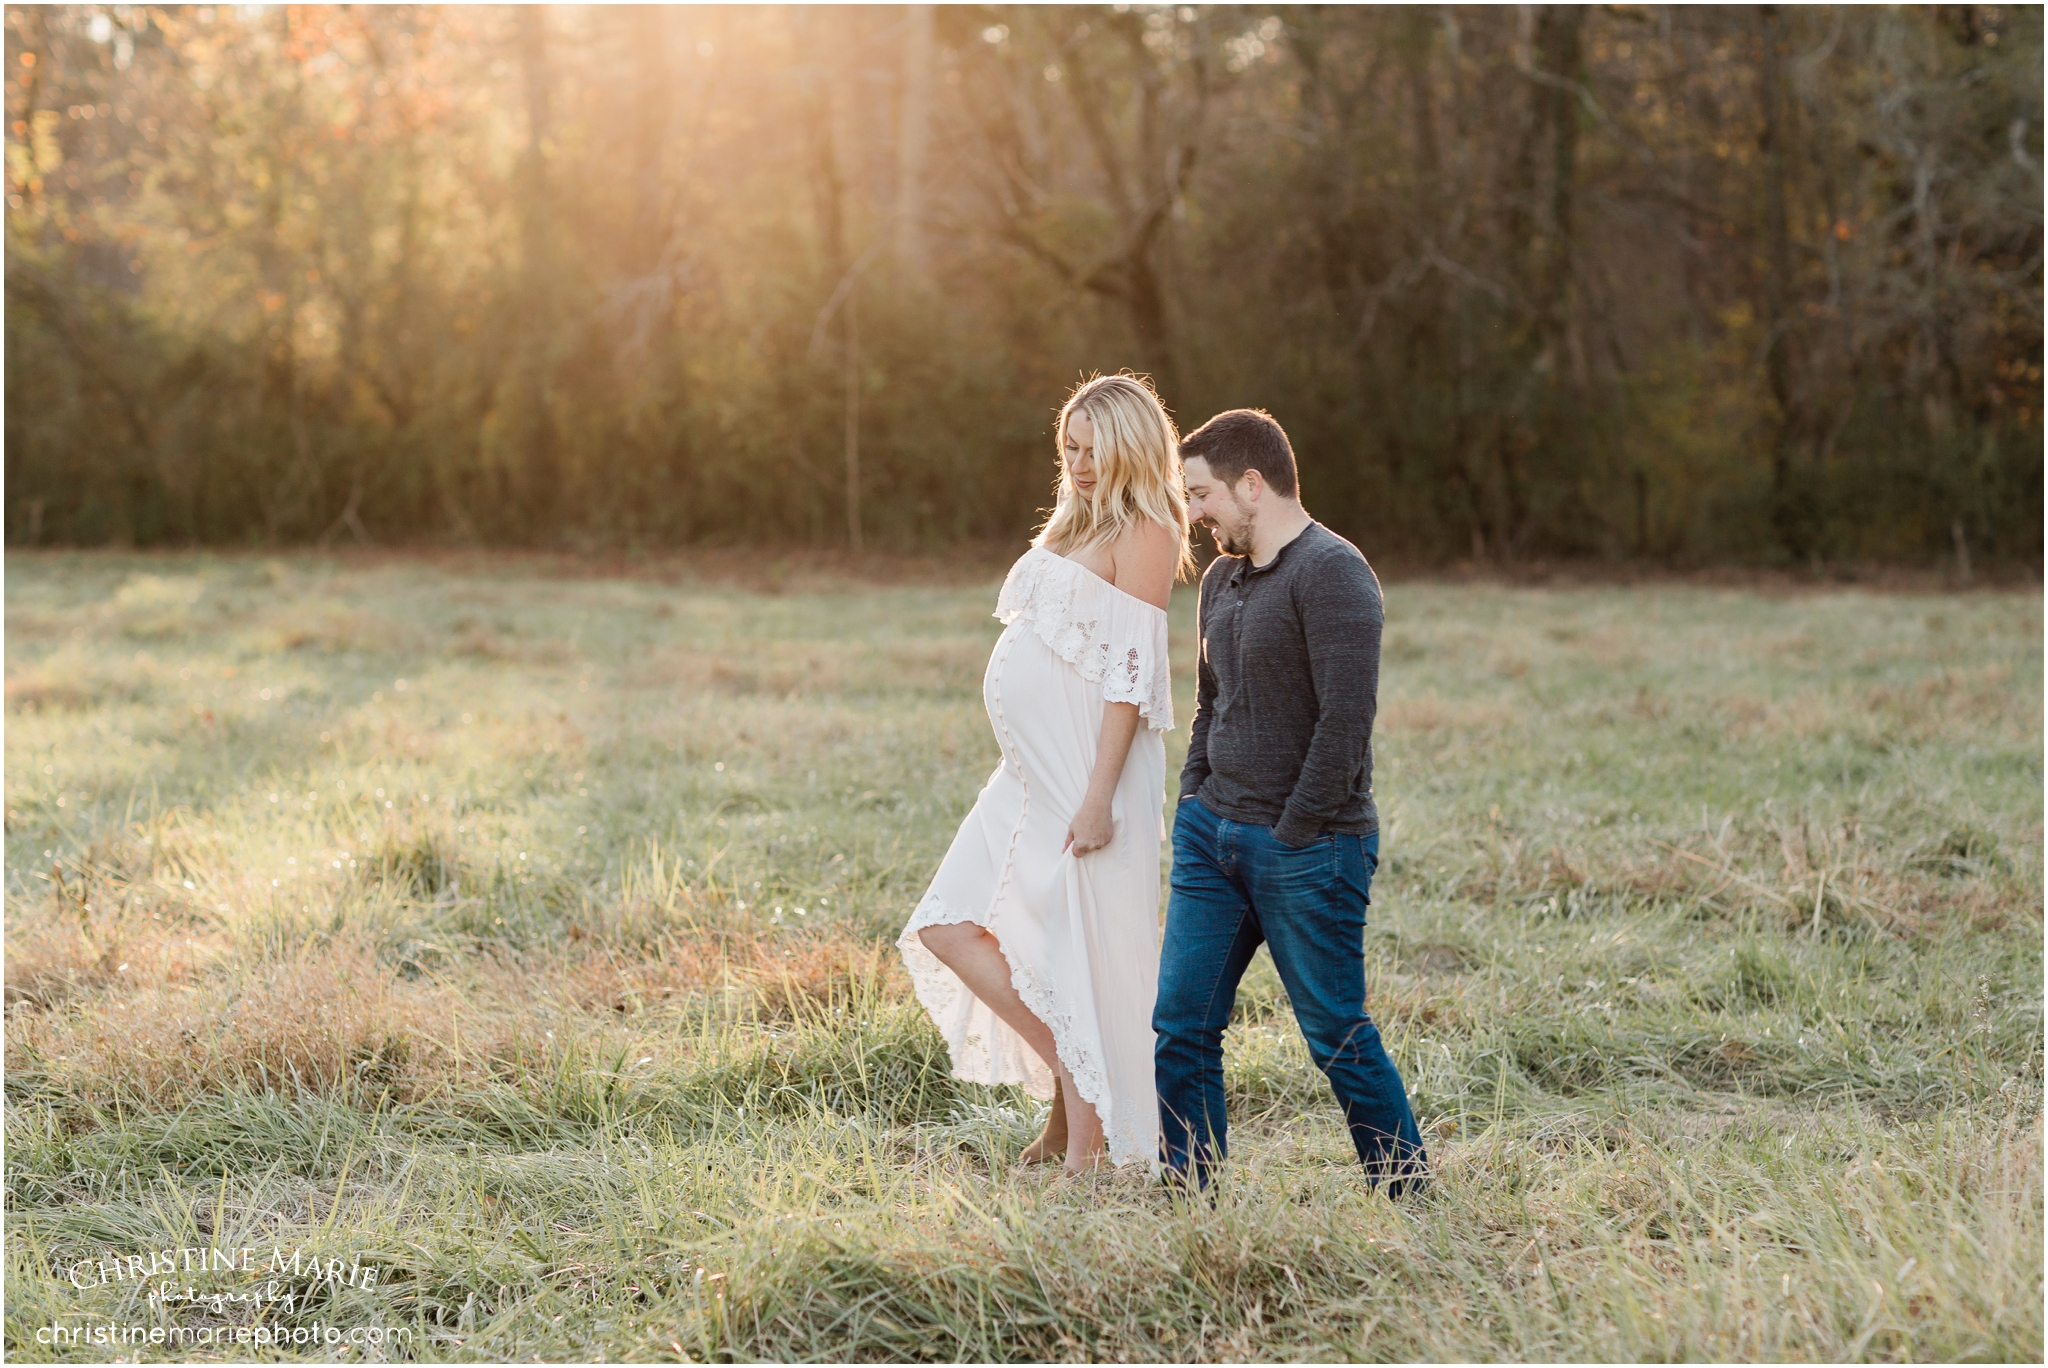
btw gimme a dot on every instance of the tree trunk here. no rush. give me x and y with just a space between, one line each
531 175
1145 303
853 529
1558 56
648 31
1771 138
913 138
828 198
1415 46
544 488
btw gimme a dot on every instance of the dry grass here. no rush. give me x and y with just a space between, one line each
334 1018
556 981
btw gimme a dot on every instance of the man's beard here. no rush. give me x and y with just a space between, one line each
1233 543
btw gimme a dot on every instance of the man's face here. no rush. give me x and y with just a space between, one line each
1216 506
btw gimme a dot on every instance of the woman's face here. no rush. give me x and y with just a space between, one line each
1080 451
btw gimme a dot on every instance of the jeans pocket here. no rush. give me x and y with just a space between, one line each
1358 862
1305 869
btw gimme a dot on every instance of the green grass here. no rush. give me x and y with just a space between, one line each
554 981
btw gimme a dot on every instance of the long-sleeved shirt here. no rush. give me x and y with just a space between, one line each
1287 688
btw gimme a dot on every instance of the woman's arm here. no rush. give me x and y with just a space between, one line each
1141 564
1092 826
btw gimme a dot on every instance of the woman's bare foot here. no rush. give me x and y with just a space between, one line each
1078 1165
1052 1141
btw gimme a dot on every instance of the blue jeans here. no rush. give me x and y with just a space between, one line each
1234 886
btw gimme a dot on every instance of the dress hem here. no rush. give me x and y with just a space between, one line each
1037 999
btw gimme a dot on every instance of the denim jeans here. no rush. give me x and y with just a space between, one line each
1234 886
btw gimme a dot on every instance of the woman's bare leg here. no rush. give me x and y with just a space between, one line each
976 957
1084 1127
1052 1141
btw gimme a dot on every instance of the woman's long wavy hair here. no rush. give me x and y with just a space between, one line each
1137 471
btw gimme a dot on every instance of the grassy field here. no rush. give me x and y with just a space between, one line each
523 935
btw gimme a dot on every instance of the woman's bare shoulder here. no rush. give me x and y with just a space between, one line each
1144 559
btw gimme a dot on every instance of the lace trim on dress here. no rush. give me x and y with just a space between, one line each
939 990
1110 637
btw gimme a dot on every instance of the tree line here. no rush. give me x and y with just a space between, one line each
1756 284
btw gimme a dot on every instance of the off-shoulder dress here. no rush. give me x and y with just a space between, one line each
1081 934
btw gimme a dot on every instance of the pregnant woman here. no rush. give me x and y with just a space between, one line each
1036 948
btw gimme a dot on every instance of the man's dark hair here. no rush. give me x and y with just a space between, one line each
1238 440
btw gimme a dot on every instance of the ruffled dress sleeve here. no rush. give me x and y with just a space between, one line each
1110 637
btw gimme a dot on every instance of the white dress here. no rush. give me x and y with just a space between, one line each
1081 933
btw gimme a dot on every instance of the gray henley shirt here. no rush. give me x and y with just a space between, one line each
1286 689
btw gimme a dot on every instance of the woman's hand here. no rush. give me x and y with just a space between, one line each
1091 828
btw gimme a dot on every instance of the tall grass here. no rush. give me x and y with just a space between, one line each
554 981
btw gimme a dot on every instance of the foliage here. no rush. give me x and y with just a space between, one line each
1679 284
525 932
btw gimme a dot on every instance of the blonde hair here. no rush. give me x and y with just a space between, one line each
1137 465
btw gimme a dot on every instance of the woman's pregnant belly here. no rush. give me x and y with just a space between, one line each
1047 718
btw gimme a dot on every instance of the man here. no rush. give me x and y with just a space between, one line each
1275 838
